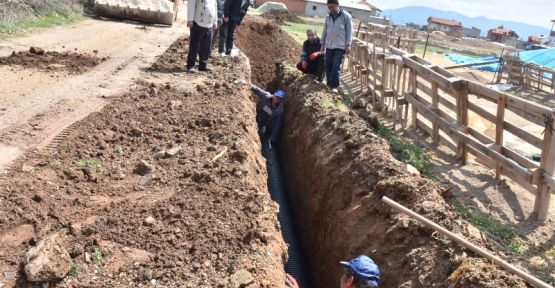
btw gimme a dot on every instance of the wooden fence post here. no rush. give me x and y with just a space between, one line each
435 103
500 120
462 120
547 166
413 90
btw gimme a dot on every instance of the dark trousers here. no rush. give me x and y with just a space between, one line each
315 67
215 37
199 44
334 58
227 32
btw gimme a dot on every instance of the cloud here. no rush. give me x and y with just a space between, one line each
536 12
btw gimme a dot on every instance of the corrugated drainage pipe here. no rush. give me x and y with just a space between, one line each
295 263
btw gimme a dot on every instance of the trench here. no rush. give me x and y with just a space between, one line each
328 177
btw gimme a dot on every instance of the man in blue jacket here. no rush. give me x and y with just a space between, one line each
234 12
336 41
270 118
360 272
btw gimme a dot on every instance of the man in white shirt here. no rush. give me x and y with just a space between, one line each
202 18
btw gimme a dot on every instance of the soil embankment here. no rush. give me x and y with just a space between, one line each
164 185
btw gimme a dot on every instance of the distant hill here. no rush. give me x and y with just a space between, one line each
419 15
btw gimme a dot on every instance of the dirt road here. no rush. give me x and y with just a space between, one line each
38 104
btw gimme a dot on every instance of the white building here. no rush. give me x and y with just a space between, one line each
360 10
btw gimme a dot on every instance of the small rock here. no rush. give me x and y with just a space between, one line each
537 262
473 232
36 51
146 179
430 207
9 275
27 168
48 261
360 103
160 154
241 278
404 222
153 281
412 170
149 221
173 151
143 168
87 257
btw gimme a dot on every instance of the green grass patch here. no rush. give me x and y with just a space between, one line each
329 103
44 20
430 49
90 163
408 151
96 255
74 271
298 30
487 224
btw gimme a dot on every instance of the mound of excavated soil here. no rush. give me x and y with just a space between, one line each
175 57
53 61
201 216
266 43
337 172
282 16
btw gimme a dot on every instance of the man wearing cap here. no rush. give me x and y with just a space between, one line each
312 60
336 41
360 272
271 113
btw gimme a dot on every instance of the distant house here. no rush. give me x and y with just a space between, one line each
501 34
360 10
450 27
471 32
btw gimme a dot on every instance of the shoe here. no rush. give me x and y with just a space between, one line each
205 69
222 54
191 69
228 53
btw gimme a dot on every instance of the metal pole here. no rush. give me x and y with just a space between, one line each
426 47
467 244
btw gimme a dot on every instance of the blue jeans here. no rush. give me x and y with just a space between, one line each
334 58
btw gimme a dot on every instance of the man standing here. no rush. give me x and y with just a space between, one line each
202 17
234 12
312 60
336 41
270 118
360 272
216 33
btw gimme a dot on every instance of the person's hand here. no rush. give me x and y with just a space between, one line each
290 282
226 19
347 49
190 24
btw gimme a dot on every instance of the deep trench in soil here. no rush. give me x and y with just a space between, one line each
335 170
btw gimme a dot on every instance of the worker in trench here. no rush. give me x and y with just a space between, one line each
360 272
336 42
270 115
312 59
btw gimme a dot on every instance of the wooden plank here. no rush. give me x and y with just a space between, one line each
442 140
430 74
499 127
524 135
547 165
413 89
462 119
481 137
482 112
518 158
435 104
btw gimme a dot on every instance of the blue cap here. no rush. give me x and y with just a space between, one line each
364 269
280 94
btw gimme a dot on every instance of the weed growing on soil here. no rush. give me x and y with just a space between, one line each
518 246
96 255
90 163
348 98
408 151
328 104
74 271
120 150
484 222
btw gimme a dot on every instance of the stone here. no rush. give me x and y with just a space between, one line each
473 232
146 179
36 50
143 168
173 151
241 278
160 155
404 222
412 170
149 221
27 168
88 257
48 261
360 103
430 207
9 275
537 262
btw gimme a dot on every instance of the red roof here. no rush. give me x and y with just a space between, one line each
501 31
447 22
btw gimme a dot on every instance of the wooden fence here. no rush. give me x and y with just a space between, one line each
528 74
440 104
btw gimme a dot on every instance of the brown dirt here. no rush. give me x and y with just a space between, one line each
75 63
213 216
338 170
282 16
265 43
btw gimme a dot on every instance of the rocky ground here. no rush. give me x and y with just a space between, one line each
163 186
37 58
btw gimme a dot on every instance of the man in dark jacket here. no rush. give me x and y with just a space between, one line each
234 12
312 60
271 113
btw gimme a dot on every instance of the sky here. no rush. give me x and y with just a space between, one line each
535 12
